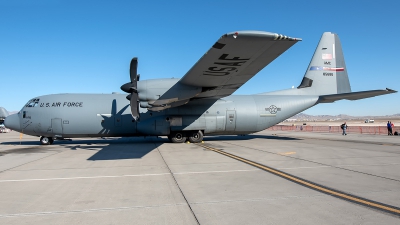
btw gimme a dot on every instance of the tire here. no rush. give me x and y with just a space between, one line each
196 137
45 140
51 140
177 137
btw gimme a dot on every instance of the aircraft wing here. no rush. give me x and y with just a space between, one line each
233 60
354 95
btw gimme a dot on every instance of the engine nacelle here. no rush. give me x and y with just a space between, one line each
164 92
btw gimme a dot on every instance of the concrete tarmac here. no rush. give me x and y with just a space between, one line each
152 181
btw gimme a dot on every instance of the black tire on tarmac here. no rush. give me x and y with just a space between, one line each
46 140
177 137
196 137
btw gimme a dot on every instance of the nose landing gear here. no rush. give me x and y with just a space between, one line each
46 140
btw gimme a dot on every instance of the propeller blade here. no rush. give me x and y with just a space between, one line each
134 105
133 70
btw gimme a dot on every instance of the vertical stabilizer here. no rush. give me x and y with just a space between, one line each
327 74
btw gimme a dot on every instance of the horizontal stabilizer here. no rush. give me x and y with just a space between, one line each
354 95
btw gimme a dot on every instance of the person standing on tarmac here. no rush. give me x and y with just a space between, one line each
392 128
344 127
389 127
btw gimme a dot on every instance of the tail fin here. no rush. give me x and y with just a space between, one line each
327 74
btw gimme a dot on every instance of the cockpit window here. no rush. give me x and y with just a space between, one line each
33 103
36 102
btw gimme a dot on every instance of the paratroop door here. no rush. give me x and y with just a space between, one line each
230 120
56 126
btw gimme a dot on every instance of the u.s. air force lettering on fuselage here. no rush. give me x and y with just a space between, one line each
225 66
61 104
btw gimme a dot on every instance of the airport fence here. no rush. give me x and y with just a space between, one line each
331 129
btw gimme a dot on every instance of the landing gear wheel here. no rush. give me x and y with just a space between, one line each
46 140
196 137
177 137
51 140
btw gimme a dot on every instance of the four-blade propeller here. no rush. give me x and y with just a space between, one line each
131 88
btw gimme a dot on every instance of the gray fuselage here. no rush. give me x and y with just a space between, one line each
108 115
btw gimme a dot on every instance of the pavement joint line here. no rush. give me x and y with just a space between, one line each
46 213
159 174
177 185
58 152
330 191
76 178
127 175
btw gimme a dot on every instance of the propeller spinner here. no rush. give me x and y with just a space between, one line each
131 88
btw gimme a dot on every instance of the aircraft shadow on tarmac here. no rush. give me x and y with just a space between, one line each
116 149
128 147
119 151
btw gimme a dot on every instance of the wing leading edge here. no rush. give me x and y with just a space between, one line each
234 59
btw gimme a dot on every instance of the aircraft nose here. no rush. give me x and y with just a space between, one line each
12 122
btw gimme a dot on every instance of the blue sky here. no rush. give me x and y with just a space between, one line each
57 46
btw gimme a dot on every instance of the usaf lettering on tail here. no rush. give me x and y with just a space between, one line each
200 103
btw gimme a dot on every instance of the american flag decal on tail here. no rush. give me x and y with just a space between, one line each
323 68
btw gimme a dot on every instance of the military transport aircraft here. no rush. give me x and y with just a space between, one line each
199 103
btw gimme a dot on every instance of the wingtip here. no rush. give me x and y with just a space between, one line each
263 34
391 90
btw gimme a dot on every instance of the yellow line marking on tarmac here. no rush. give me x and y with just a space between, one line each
318 187
287 153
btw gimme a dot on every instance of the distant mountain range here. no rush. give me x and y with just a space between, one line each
303 116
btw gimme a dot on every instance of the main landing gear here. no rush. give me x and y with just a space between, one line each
46 140
181 137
